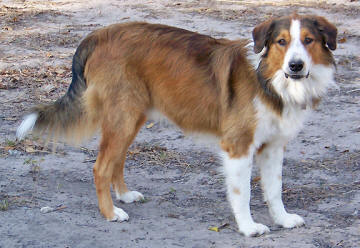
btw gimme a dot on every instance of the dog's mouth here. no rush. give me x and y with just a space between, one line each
296 76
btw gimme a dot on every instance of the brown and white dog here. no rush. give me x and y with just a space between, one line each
123 72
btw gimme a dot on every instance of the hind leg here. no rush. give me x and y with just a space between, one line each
114 144
118 182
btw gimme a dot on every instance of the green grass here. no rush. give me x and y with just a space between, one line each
145 200
30 161
10 143
4 205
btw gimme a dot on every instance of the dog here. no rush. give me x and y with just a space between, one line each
124 72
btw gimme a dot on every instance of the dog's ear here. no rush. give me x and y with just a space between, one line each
327 30
261 35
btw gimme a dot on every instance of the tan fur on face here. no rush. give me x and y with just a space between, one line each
318 54
276 53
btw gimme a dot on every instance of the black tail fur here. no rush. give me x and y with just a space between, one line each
66 115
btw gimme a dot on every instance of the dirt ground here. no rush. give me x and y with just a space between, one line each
180 178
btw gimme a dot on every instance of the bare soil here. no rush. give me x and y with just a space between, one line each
181 179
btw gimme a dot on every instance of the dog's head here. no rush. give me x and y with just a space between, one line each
295 48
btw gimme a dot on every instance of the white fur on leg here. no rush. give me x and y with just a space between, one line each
238 173
26 125
291 221
119 215
130 196
270 161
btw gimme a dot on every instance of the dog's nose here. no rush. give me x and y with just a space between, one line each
296 66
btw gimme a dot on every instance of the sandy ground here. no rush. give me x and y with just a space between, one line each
181 179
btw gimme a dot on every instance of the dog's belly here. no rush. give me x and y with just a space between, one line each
203 138
189 117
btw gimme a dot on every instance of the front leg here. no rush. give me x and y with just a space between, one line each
270 160
238 173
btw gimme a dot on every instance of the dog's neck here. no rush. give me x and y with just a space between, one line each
279 92
268 93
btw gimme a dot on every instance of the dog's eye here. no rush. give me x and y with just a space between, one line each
281 42
308 40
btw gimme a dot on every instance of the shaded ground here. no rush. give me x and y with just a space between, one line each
181 180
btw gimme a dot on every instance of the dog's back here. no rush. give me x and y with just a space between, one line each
124 71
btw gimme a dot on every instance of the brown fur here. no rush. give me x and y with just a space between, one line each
66 118
236 191
202 84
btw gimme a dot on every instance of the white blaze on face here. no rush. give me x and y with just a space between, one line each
296 50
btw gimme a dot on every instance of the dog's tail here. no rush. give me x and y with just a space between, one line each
66 117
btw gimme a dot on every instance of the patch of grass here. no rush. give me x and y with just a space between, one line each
163 156
30 161
158 155
4 205
59 186
10 143
27 161
35 137
145 200
35 169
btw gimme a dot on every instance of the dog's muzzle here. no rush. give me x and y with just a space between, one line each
296 69
296 76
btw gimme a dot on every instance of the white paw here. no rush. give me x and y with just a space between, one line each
119 215
290 221
130 196
253 229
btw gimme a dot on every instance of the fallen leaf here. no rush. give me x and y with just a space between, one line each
8 28
214 229
29 149
256 179
223 225
342 40
7 148
11 118
133 152
48 88
217 229
59 71
150 125
46 210
60 208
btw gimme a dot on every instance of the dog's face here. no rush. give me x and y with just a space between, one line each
297 58
295 43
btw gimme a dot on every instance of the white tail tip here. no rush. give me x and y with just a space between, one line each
26 125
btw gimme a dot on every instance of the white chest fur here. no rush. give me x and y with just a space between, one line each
274 128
